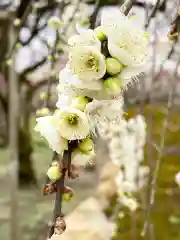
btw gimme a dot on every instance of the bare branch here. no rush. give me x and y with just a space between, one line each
126 7
153 13
93 17
161 148
34 67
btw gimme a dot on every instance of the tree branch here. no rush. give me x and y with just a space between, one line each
153 13
126 7
93 17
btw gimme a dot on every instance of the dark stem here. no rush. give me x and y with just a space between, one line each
58 201
69 163
60 184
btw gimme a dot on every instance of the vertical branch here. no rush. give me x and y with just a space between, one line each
153 13
161 147
60 189
13 138
93 17
126 7
149 134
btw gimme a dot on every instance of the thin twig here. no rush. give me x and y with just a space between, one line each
150 120
126 7
93 17
54 50
24 17
153 13
161 148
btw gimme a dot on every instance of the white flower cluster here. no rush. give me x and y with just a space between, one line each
126 149
102 62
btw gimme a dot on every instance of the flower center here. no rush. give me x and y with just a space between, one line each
73 119
92 63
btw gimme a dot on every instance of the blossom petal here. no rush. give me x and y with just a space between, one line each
49 132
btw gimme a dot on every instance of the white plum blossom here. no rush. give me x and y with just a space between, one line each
126 43
85 38
47 130
70 81
71 123
99 111
87 63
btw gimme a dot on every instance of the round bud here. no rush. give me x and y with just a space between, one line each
54 23
68 194
80 103
113 66
99 31
53 172
86 145
113 85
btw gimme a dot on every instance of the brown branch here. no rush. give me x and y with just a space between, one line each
93 17
126 7
153 13
33 67
160 152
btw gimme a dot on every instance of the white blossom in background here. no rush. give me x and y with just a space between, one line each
126 149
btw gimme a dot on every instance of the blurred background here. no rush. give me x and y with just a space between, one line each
28 79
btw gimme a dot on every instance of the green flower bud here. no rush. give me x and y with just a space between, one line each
100 33
80 103
113 66
86 145
54 23
68 194
113 85
53 172
67 197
